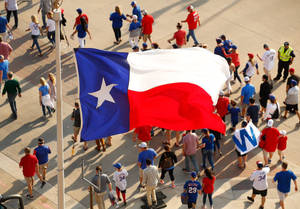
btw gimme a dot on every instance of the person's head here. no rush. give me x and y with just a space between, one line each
233 48
190 8
34 19
43 81
259 165
118 10
144 45
293 83
10 75
148 162
284 165
286 45
79 11
265 77
1 58
133 4
223 37
292 71
76 104
41 141
221 93
252 100
270 123
118 166
51 78
143 145
179 26
134 18
219 41
145 12
266 47
99 169
272 98
205 132
208 173
155 45
247 79
229 60
244 124
282 132
233 103
50 15
193 175
135 49
167 148
251 56
27 150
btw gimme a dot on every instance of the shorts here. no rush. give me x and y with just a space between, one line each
282 195
263 193
234 123
141 172
244 106
239 154
263 102
191 204
76 130
43 166
293 107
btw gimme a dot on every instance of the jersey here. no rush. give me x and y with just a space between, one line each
269 59
259 178
192 188
119 178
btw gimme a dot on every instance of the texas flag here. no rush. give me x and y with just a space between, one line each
173 89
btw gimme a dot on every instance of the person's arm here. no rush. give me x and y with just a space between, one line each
244 70
242 98
174 157
198 21
296 187
40 96
110 187
183 149
5 5
73 115
74 33
8 26
224 52
259 57
256 66
19 89
4 90
87 30
171 39
139 164
40 7
1 74
292 58
278 55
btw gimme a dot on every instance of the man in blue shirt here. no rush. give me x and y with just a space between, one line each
136 11
41 153
283 179
3 26
218 49
208 145
226 43
248 91
3 69
192 188
253 111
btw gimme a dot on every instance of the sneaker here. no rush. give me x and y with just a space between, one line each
30 197
43 184
173 186
125 203
276 79
261 207
269 161
250 199
119 199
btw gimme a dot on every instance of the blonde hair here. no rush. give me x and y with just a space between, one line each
52 78
50 14
252 61
34 19
43 81
118 10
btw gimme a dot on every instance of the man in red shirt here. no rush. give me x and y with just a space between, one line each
179 36
30 166
80 14
222 105
147 22
143 133
270 137
192 20
5 49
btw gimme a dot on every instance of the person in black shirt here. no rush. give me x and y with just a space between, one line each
168 159
252 112
77 121
264 92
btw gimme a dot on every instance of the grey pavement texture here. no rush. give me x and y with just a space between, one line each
249 24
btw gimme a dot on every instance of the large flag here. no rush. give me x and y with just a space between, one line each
171 89
246 139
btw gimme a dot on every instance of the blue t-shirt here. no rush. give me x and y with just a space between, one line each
41 153
252 111
209 142
44 90
80 31
284 180
146 154
248 91
137 11
117 20
3 23
4 68
234 111
134 25
218 51
192 188
227 45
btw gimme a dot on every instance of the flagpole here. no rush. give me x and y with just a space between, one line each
60 154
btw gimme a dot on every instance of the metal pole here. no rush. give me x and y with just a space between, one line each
60 153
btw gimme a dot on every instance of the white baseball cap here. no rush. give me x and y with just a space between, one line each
282 132
246 79
270 123
143 145
134 17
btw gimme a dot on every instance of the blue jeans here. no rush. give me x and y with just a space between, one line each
12 103
44 18
35 42
192 158
44 110
51 37
209 155
192 33
209 198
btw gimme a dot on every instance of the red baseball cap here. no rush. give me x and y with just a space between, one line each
250 55
292 70
190 7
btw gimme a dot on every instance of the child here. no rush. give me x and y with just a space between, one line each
119 177
208 187
234 111
281 144
192 187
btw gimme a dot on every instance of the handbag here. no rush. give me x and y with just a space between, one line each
184 198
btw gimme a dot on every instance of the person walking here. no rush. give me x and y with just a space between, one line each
117 22
82 30
219 48
145 154
11 6
234 55
29 164
136 10
3 70
167 164
119 177
134 32
45 100
208 187
222 105
12 88
251 66
143 133
192 20
272 109
292 100
253 112
189 149
292 76
282 141
150 180
242 158
234 114
41 153
179 36
260 183
264 93
248 91
269 136
36 31
268 59
52 85
45 7
80 15
102 181
283 179
147 23
193 188
5 49
50 28
207 146
286 57
3 27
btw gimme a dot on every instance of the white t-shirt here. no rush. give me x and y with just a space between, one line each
259 178
120 179
51 25
269 59
270 109
34 29
11 5
250 71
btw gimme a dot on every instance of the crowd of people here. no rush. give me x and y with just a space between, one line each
242 112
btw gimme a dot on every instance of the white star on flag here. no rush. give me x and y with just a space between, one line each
103 94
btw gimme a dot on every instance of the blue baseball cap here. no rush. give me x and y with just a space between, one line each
293 82
79 10
234 47
117 165
133 3
194 174
145 45
272 97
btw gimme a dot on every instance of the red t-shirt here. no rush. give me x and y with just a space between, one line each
180 37
144 133
192 20
208 185
222 106
234 57
77 21
28 162
282 143
271 139
147 22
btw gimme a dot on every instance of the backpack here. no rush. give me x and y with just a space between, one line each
167 162
275 115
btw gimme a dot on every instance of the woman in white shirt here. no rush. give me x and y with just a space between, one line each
51 28
271 108
51 83
251 66
35 29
